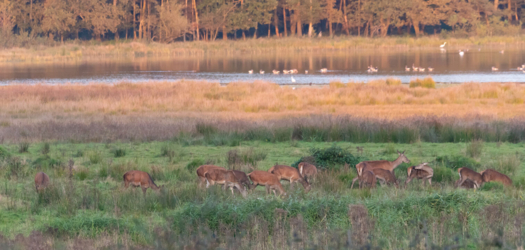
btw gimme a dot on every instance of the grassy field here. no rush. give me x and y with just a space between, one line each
88 204
136 49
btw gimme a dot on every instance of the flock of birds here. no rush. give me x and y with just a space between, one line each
372 69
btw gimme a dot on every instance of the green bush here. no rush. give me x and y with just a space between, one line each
427 82
458 161
46 148
194 164
119 152
4 154
23 147
474 148
46 162
443 174
333 157
95 157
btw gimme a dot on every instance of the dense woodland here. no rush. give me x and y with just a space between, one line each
182 20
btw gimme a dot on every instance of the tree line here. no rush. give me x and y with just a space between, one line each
180 20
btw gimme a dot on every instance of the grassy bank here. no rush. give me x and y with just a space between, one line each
111 49
88 205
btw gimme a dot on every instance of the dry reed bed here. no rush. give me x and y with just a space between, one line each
259 100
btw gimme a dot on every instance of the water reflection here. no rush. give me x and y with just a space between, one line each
448 65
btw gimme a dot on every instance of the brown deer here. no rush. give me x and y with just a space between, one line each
493 175
202 170
469 174
225 177
468 184
385 176
383 164
242 178
422 172
263 178
366 178
291 174
139 179
307 170
41 181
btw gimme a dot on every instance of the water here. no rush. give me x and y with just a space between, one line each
449 67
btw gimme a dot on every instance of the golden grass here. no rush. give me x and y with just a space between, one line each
74 50
259 100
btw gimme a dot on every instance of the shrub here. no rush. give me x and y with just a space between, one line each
95 157
16 168
45 149
427 82
205 129
393 82
390 149
23 147
46 162
507 165
332 157
79 153
194 164
474 148
119 152
235 158
443 174
458 161
4 154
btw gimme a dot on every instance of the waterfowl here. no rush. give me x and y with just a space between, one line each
324 70
261 72
461 53
407 68
430 69
293 80
250 71
494 69
442 45
275 72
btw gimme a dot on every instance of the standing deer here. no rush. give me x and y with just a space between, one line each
307 170
367 178
263 178
383 164
493 175
385 176
291 174
242 178
139 179
202 170
469 174
225 177
41 181
421 171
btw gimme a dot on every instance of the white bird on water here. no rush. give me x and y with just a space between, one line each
293 80
442 45
461 53
261 72
250 71
494 69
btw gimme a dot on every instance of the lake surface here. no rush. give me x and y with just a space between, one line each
449 67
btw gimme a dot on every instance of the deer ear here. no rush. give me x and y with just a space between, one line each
403 152
398 151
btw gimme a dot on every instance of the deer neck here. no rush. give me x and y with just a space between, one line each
396 163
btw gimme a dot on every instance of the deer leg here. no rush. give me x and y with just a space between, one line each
267 189
144 189
461 182
207 183
201 181
407 181
430 181
353 181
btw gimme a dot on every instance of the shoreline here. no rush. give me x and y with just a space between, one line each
85 50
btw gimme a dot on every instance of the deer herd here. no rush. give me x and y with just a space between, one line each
368 173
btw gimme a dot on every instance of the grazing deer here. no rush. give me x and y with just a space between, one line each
367 178
263 178
469 174
202 170
139 179
41 181
383 164
421 171
385 176
225 177
291 174
468 184
242 178
493 175
307 170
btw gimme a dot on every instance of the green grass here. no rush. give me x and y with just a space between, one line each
92 202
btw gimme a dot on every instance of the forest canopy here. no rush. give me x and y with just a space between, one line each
181 20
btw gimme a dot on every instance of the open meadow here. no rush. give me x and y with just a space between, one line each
85 137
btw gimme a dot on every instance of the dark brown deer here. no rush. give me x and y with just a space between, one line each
140 179
493 175
385 176
469 174
307 170
41 181
291 174
202 170
383 164
367 178
242 178
468 184
263 178
225 177
422 172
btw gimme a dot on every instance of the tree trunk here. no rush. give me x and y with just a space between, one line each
224 33
134 21
276 23
416 28
269 29
330 28
255 33
243 35
299 24
196 19
284 22
509 8
496 4
310 25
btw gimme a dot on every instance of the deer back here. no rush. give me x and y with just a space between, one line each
41 180
493 175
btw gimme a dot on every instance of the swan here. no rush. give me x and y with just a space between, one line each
324 70
461 52
430 69
275 72
250 71
293 80
306 71
494 69
407 68
261 72
442 45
